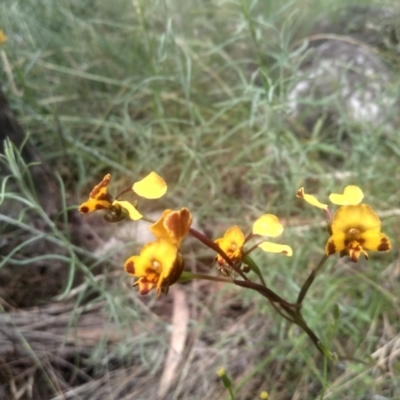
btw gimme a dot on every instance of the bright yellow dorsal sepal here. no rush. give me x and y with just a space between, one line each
150 187
276 248
352 195
173 225
311 199
267 225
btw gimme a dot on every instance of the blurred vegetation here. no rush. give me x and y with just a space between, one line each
199 92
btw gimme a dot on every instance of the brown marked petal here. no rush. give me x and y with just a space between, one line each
104 183
179 223
130 268
384 245
330 248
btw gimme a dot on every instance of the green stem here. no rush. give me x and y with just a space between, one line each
268 293
254 267
299 320
231 393
211 278
249 237
310 280
281 313
123 192
247 252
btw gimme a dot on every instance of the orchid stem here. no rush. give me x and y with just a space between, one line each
268 293
211 278
123 192
310 280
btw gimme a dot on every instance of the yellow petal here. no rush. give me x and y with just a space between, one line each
276 248
352 195
158 229
150 187
234 235
267 225
175 273
134 214
93 205
335 243
173 225
373 240
361 217
134 267
311 199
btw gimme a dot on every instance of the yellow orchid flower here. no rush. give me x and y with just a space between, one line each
231 244
150 187
173 226
159 265
355 229
311 199
3 37
269 225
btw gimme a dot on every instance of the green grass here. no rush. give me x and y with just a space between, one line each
198 91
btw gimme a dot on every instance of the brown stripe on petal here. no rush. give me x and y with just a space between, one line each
104 183
130 267
84 209
331 248
171 222
178 222
384 245
100 207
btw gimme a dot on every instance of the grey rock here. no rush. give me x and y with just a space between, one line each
345 79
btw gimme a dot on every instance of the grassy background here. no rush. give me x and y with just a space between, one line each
198 91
